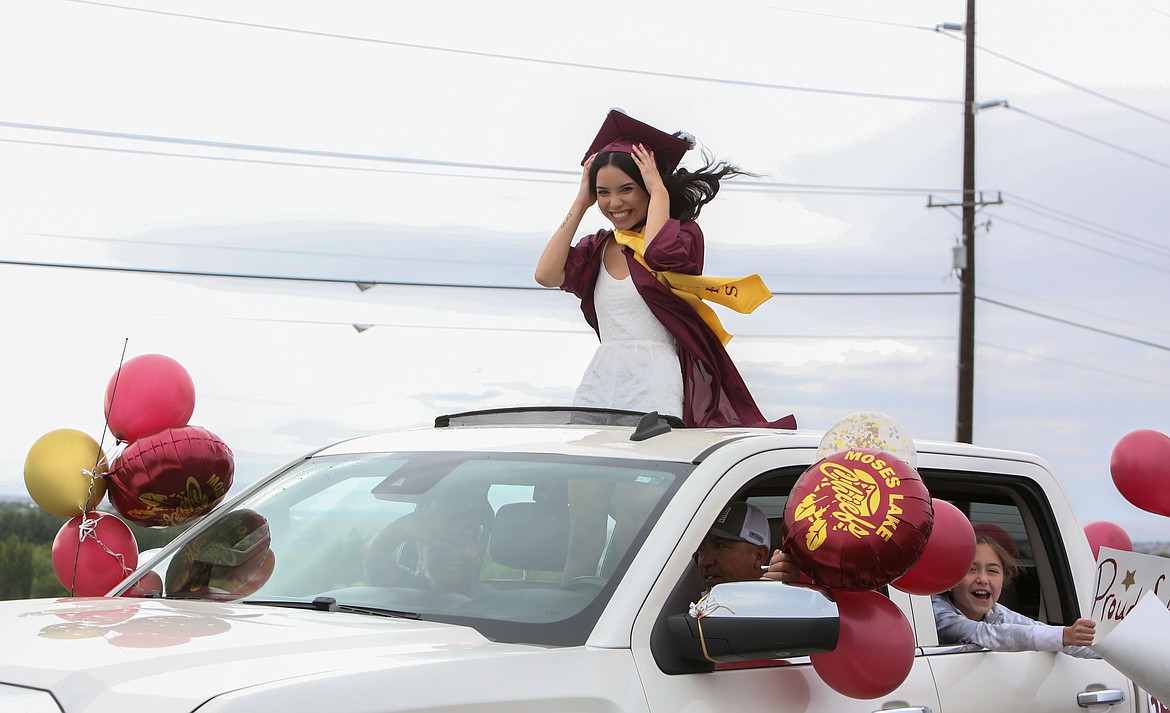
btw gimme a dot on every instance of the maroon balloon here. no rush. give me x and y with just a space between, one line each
857 519
171 477
1103 533
875 649
1140 466
148 394
92 553
948 554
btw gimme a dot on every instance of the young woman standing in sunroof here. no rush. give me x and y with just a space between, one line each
641 284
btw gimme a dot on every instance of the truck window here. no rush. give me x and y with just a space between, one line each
1017 514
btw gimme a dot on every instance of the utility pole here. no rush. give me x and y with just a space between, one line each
966 395
965 261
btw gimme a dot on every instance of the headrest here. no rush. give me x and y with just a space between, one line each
531 536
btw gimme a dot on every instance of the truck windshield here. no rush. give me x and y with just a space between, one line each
523 547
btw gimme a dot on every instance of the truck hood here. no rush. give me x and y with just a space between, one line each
117 654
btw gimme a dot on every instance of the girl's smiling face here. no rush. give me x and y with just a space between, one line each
620 198
980 589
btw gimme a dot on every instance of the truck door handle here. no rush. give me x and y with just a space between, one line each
1098 698
911 709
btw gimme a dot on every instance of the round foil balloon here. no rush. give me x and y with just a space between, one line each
868 429
60 471
92 553
148 394
228 560
171 477
857 519
1140 466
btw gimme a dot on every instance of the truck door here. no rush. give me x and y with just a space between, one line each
1017 513
778 686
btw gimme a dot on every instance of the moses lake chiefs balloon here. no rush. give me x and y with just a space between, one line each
171 477
857 519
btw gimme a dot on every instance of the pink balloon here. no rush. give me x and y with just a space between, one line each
949 552
1140 466
1103 533
92 553
150 393
875 649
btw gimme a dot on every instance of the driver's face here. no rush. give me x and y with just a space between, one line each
452 564
723 560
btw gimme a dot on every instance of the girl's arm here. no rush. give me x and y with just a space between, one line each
550 268
659 210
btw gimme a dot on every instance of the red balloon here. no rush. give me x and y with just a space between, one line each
948 554
1140 466
92 553
148 394
875 649
857 519
229 560
147 584
1103 533
999 535
171 477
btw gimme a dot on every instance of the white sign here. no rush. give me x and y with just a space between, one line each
1122 578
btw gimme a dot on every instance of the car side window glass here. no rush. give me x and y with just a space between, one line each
1016 516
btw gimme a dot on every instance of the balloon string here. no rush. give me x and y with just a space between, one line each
87 529
114 391
700 613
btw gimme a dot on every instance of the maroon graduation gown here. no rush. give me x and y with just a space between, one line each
714 393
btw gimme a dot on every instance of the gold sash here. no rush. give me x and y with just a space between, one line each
742 294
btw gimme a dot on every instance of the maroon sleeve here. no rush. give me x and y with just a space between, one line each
678 247
576 265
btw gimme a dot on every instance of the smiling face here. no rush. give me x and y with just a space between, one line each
620 198
980 589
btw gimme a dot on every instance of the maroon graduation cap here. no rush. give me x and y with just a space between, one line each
619 132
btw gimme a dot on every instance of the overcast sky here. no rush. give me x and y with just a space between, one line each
439 145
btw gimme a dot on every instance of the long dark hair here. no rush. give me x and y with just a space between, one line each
689 190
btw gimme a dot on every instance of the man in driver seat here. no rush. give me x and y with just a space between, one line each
737 548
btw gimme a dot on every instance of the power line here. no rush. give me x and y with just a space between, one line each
571 177
1091 227
1086 224
534 60
1071 323
293 164
394 283
1073 85
1070 241
1090 137
1065 82
1041 357
317 153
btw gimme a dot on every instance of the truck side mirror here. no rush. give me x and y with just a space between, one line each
746 621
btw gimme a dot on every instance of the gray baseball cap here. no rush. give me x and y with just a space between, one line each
740 521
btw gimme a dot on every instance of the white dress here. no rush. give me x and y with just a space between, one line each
636 366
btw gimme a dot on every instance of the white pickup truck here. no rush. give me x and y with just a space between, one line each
531 560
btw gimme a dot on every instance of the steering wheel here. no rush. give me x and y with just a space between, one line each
585 585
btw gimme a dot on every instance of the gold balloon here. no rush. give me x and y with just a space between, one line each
55 472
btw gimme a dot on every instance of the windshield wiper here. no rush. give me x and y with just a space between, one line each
330 604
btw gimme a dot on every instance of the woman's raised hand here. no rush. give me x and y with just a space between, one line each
649 168
585 196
